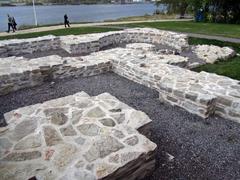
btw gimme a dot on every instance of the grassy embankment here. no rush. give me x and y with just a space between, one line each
226 30
60 32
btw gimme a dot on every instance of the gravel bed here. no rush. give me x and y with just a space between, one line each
188 146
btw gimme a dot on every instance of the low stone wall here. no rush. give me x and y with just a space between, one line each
85 44
18 72
17 47
76 137
200 93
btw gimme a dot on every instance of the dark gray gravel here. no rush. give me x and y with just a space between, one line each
202 149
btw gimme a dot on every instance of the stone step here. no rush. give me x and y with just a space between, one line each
76 137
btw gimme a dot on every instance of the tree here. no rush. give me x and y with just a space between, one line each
174 6
220 11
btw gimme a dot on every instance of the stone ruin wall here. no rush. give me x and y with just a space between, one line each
85 44
200 93
29 73
17 47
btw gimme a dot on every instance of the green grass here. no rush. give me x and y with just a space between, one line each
227 30
60 32
230 68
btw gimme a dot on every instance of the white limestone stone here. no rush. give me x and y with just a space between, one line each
211 53
52 150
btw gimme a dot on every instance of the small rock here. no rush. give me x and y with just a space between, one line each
103 147
131 141
95 112
24 128
80 140
58 118
68 131
64 156
28 143
117 133
89 129
52 137
170 157
107 122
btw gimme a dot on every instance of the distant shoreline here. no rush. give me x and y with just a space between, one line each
63 4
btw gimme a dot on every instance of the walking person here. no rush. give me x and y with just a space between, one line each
14 24
10 24
66 21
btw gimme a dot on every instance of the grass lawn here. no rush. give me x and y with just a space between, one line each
230 68
227 30
61 32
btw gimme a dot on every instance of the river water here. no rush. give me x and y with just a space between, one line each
76 13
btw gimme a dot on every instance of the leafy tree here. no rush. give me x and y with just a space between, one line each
174 6
226 11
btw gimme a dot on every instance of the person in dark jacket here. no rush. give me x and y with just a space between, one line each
10 23
66 21
14 23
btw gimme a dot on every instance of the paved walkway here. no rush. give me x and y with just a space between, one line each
48 28
220 38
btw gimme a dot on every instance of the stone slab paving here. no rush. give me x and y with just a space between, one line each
76 137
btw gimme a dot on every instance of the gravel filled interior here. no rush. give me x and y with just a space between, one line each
188 146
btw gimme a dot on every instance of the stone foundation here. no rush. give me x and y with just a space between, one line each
17 47
85 44
202 93
18 72
76 137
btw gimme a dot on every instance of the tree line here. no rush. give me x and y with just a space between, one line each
218 11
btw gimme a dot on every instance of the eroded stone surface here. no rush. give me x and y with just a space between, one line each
102 147
89 129
92 146
211 53
52 137
29 142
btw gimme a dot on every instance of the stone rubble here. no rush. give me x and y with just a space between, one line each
211 53
97 146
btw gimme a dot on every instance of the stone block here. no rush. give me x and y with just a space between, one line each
96 146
